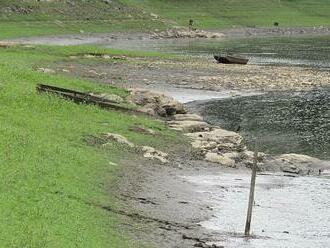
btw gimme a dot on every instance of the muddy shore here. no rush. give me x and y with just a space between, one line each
101 38
161 207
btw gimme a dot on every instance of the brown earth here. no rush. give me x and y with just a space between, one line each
203 74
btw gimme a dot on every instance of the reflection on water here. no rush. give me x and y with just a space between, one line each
282 122
288 212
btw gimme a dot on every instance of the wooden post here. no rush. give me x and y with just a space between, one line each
251 197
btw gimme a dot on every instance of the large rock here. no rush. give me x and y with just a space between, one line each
185 33
161 104
226 140
187 117
298 164
220 159
204 145
188 126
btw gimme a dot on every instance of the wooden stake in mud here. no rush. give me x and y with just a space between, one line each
251 197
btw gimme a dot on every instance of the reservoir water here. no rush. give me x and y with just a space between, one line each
277 122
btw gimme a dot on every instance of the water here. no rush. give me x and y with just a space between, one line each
288 212
299 51
280 122
311 51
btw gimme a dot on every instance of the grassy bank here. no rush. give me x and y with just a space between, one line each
240 13
31 17
52 182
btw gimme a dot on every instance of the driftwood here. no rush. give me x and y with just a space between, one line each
81 97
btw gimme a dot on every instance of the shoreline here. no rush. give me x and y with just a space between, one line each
163 208
101 38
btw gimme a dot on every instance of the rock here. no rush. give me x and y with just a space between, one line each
118 139
6 44
154 16
290 169
46 70
189 126
232 155
160 104
219 159
187 117
109 97
204 145
185 33
298 164
295 158
152 153
226 140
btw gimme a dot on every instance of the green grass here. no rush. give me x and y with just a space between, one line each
48 172
240 13
31 18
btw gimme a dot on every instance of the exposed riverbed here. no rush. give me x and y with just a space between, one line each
289 212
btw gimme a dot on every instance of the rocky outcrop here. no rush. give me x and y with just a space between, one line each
227 149
220 159
226 141
156 104
298 164
185 33
189 126
187 117
215 144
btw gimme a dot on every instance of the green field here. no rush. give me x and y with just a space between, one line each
52 181
30 18
211 14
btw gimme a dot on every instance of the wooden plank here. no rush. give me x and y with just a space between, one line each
251 196
81 97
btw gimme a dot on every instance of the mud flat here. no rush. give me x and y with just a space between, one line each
288 212
189 200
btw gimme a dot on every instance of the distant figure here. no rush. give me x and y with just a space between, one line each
191 23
